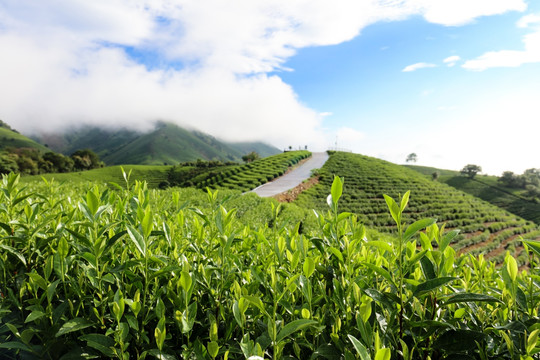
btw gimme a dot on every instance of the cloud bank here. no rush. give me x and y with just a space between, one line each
209 65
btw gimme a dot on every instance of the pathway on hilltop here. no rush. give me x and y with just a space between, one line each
292 178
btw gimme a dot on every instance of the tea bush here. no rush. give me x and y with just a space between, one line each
89 272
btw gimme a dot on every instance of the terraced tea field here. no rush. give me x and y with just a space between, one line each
489 189
484 228
239 177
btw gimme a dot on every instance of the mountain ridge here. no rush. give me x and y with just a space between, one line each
167 143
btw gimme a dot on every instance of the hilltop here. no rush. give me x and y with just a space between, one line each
166 144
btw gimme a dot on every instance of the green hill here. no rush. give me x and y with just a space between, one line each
12 139
166 144
484 227
262 149
489 189
201 174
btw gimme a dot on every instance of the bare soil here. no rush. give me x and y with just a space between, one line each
291 195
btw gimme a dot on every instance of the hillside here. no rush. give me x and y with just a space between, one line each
485 228
489 189
12 139
199 174
166 144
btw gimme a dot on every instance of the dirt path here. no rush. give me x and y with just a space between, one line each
293 178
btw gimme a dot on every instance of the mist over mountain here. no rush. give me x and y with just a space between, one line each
167 143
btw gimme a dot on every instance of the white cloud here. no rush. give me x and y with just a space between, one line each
451 60
348 138
420 65
512 58
527 20
508 58
66 61
459 12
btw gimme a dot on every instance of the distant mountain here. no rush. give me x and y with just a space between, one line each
10 138
264 150
166 144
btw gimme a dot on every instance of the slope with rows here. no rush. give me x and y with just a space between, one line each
484 228
236 177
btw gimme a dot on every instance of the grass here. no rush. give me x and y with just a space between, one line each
9 138
152 174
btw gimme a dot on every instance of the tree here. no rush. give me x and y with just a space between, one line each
412 157
509 179
8 163
59 162
252 156
471 170
532 177
435 175
85 160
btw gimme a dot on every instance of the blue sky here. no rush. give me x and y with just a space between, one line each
455 81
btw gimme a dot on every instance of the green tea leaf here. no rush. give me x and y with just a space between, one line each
38 280
137 239
337 189
309 267
470 297
34 315
147 222
213 349
360 349
185 280
63 247
73 325
381 271
428 268
405 200
92 202
447 239
394 208
383 354
417 226
336 253
533 245
12 251
432 284
294 326
99 342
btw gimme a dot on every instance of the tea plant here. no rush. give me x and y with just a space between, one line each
134 273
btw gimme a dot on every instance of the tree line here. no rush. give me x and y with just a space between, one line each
34 162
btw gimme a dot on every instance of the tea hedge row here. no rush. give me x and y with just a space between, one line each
237 177
369 178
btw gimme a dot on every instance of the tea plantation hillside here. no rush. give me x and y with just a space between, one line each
484 228
488 188
199 174
234 176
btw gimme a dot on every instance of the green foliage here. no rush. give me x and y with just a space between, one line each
89 272
252 156
471 170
